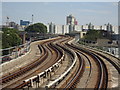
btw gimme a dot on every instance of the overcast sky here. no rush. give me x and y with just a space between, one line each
98 13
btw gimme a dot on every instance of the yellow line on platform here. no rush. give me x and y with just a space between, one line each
87 67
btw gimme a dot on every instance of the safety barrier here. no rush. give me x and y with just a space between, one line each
46 73
14 52
62 76
102 51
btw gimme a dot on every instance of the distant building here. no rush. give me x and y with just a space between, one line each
12 24
65 29
104 27
97 28
47 25
90 26
78 27
82 34
76 22
109 27
20 28
115 29
85 27
24 23
71 20
70 27
51 28
59 29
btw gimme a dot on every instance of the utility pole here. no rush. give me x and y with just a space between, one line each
7 22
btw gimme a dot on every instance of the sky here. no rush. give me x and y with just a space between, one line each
60 0
98 13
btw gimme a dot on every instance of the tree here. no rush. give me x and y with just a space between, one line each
38 27
93 35
10 38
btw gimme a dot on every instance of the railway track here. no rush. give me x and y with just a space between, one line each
52 59
103 75
72 83
7 78
22 70
52 54
11 75
115 63
52 48
28 82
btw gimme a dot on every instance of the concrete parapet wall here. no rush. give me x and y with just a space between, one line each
32 55
20 61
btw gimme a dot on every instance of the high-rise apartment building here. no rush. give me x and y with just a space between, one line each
52 28
71 20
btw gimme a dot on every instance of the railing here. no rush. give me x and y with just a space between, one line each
109 53
14 52
63 75
104 51
46 72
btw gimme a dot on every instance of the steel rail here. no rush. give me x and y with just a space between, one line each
23 69
78 51
116 64
56 49
103 78
17 73
73 55
72 83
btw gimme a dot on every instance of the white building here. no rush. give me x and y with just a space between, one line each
85 26
51 28
58 29
78 27
62 29
104 27
115 29
47 28
97 27
65 29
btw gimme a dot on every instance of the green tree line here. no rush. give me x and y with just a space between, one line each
10 38
37 27
94 35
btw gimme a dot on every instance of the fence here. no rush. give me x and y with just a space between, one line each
14 52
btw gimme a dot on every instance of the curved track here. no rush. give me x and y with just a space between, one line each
102 79
46 50
86 66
